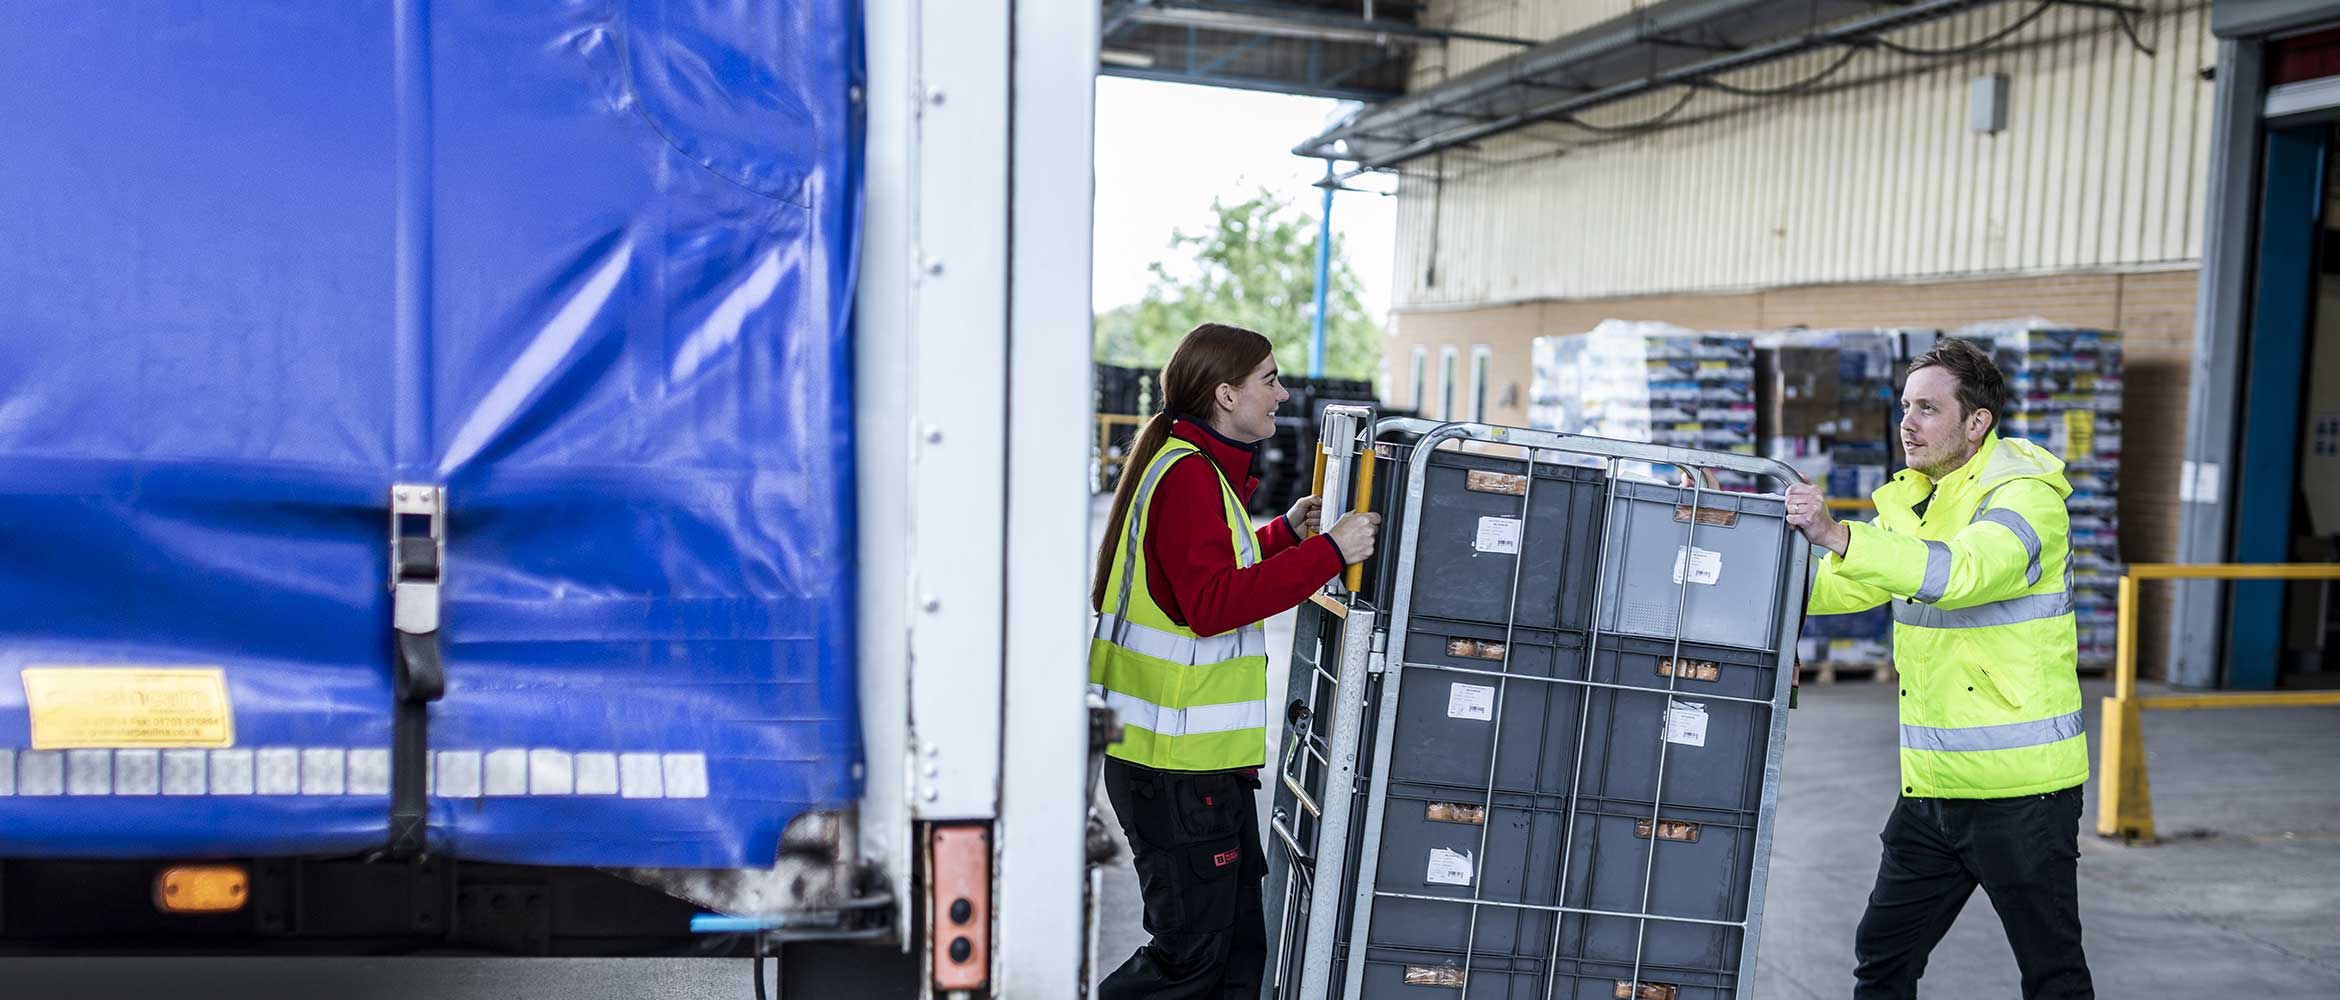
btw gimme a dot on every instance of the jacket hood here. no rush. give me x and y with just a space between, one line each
2005 460
1998 462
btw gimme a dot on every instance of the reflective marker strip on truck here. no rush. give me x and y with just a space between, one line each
454 774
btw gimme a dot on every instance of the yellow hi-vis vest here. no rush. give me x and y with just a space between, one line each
1187 702
1983 634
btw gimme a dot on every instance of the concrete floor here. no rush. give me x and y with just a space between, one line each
2242 898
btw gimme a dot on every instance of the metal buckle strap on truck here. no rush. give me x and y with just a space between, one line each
418 550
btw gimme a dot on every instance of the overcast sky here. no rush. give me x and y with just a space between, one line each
1164 150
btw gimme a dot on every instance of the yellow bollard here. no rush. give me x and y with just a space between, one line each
2124 799
2124 804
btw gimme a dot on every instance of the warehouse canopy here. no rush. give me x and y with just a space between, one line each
1685 45
1359 50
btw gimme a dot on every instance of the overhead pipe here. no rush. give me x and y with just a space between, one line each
1850 34
1608 38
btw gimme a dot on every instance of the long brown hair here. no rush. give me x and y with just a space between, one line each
1209 356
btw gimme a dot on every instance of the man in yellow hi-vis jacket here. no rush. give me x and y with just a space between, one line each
1970 546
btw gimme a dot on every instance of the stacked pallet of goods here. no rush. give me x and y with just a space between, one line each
2064 393
1649 382
1825 408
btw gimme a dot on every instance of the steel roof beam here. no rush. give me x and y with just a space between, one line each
1611 37
1395 115
1269 85
1290 20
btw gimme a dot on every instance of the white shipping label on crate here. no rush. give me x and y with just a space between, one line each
1686 723
1498 534
1705 565
1470 701
1449 867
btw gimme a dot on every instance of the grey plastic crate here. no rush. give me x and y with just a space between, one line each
1724 770
1474 507
1704 879
1732 554
1443 739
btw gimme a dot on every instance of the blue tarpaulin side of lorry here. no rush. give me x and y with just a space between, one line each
588 265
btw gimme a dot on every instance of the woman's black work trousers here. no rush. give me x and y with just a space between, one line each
1194 839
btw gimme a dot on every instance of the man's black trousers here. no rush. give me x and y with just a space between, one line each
1194 839
2024 852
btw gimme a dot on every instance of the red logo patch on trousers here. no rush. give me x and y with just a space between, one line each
1225 858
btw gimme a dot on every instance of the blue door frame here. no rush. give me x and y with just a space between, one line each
2283 299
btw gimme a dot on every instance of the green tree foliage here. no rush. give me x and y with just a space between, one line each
1253 266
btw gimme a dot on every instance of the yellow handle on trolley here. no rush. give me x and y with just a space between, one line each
1356 574
1316 485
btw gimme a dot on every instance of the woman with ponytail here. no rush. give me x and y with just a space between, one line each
1183 583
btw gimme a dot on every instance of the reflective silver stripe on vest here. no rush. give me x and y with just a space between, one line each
1116 627
1231 717
1251 640
2029 607
2012 736
1133 533
1246 551
2014 522
1937 580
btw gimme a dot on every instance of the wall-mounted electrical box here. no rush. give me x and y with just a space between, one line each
1987 104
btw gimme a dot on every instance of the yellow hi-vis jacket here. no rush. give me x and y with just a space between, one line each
1983 636
1187 702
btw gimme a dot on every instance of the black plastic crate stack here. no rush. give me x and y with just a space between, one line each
1487 789
2064 393
1287 461
1125 392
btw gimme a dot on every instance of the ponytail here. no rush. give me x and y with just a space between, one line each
1209 356
1149 443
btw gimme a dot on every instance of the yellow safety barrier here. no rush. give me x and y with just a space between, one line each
1106 422
2125 806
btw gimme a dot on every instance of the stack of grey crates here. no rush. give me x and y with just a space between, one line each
1562 666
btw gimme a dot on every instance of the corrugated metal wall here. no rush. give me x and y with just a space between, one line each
1872 176
1538 19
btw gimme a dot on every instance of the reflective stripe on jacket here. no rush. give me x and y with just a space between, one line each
1187 702
1983 633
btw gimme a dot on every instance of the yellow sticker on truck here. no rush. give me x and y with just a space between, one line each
79 707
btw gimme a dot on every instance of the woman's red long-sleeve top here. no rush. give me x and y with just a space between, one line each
1190 567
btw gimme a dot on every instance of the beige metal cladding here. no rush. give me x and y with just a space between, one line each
1873 175
1536 19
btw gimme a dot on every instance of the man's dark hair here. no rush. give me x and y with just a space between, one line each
1980 385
